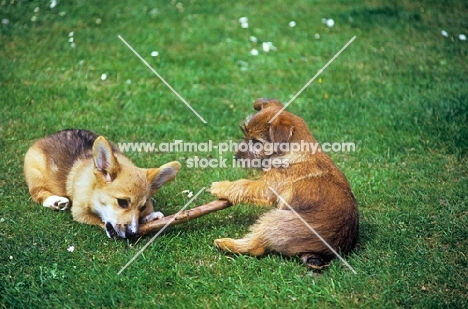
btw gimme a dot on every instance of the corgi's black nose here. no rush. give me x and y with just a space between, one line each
130 234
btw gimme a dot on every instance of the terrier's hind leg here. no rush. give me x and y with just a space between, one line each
252 244
242 246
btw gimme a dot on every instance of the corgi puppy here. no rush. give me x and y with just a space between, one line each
84 171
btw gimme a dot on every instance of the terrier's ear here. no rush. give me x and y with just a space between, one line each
104 160
281 129
159 176
265 102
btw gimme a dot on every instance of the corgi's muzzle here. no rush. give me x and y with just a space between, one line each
129 232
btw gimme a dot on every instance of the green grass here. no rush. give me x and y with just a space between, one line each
399 91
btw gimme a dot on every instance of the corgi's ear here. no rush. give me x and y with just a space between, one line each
104 160
159 176
281 129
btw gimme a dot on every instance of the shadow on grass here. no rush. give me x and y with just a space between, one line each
367 231
445 123
369 18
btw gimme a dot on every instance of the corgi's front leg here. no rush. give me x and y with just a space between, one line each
152 216
149 214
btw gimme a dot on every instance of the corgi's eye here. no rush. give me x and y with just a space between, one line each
122 203
143 208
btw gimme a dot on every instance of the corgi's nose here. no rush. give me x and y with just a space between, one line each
132 228
130 234
131 231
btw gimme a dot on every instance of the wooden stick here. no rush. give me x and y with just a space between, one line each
183 217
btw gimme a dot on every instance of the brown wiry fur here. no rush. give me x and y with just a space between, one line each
311 184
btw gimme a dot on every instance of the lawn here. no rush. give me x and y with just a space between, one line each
399 91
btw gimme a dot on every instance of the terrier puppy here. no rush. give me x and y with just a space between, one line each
306 179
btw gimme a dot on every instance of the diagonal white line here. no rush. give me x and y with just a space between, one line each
313 78
160 231
162 79
313 230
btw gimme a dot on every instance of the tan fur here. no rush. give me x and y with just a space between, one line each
311 184
105 187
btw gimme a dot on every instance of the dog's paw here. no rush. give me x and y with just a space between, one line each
224 244
219 189
314 261
56 202
152 216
